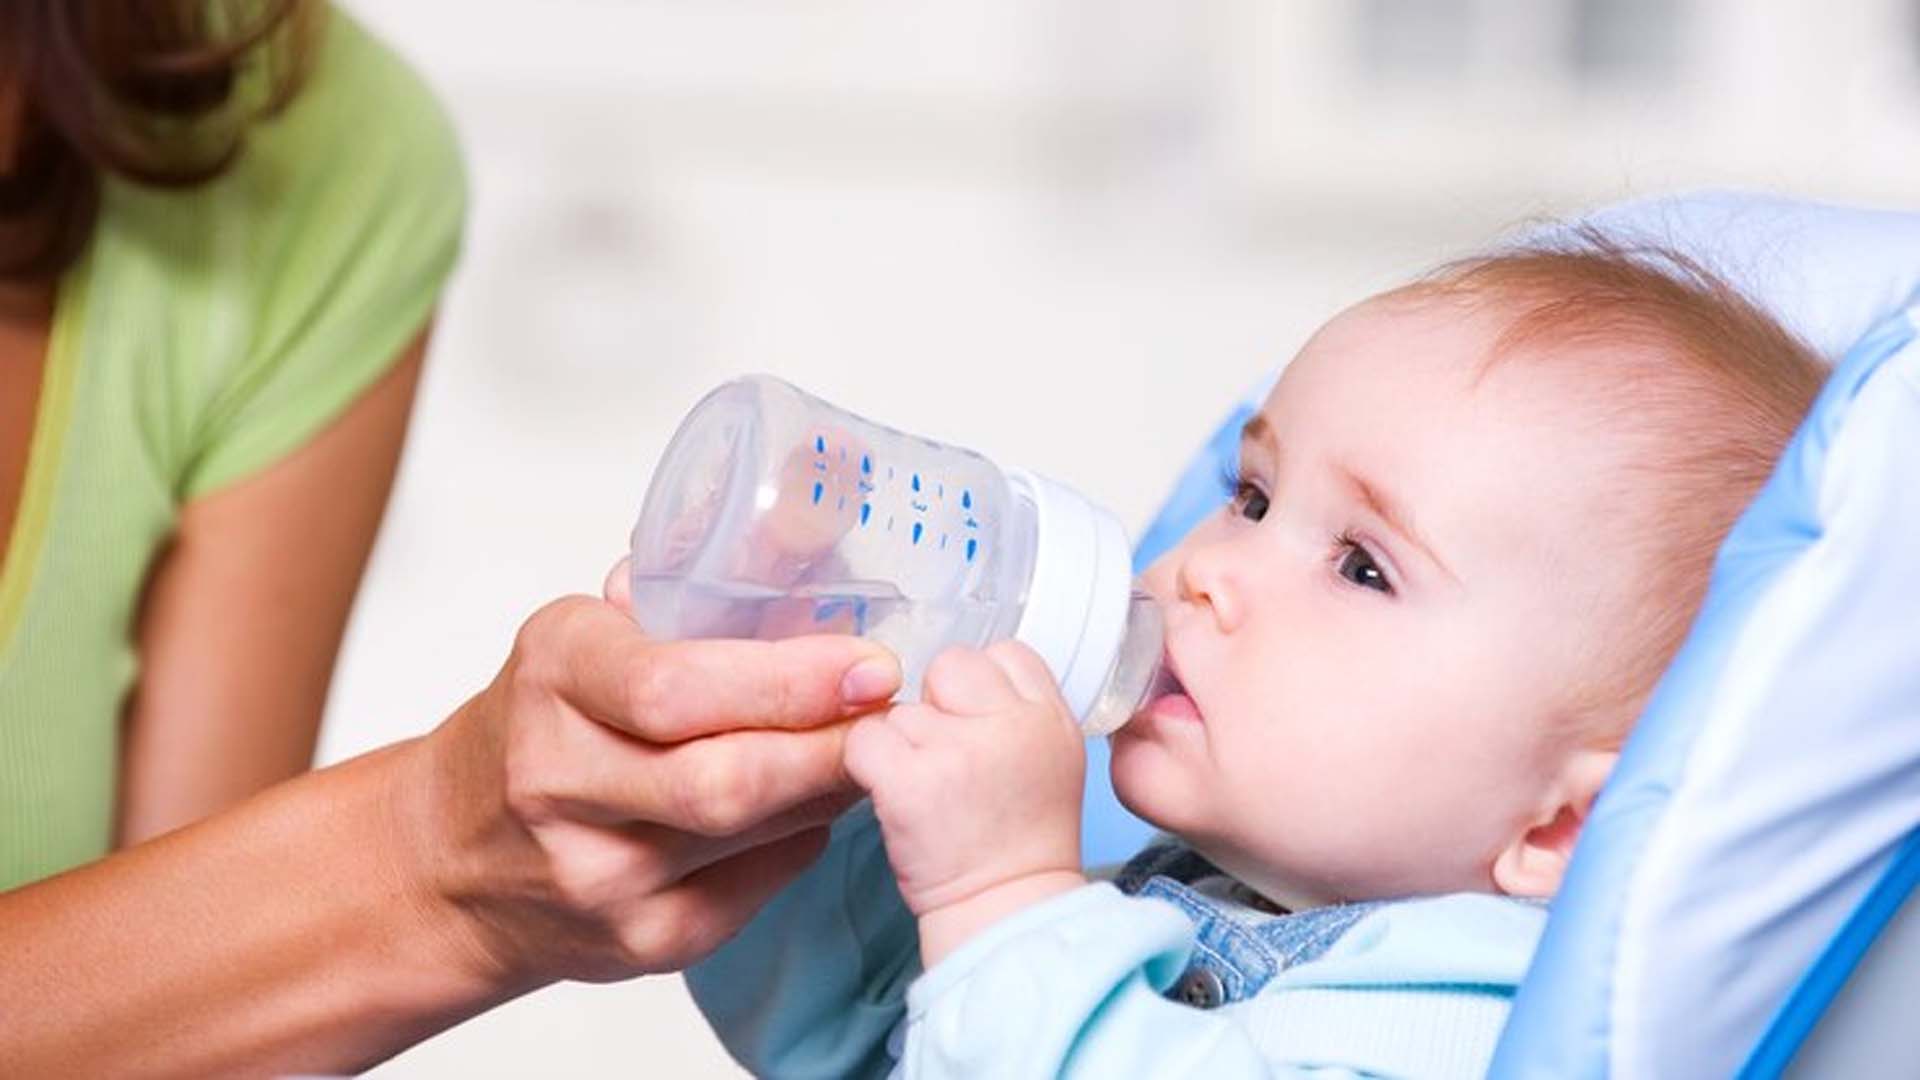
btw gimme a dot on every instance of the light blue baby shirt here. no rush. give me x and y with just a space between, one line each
1171 981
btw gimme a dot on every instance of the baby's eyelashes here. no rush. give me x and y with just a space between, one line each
1354 563
1244 497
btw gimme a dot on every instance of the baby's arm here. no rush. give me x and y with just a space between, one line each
1073 987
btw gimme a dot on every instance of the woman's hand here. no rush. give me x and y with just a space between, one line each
613 805
591 814
977 791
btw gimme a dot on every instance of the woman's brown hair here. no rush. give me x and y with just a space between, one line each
157 91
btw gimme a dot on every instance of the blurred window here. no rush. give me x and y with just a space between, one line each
1913 32
1625 41
1607 45
1417 40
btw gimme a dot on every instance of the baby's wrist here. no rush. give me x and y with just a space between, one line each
946 928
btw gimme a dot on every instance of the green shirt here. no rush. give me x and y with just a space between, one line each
203 336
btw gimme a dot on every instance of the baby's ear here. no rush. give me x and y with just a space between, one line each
1535 861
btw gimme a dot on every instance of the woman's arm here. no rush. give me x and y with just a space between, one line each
608 806
243 616
285 934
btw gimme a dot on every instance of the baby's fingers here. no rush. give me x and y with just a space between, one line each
875 750
967 682
1026 672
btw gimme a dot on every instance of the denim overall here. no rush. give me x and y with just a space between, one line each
1239 944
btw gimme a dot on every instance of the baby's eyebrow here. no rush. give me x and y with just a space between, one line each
1391 511
1260 430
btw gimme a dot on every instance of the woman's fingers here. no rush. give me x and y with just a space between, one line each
658 856
715 786
668 691
618 588
668 930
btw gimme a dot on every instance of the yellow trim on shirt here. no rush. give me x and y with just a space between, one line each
50 423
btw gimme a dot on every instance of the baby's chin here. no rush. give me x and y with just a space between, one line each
1155 785
1161 789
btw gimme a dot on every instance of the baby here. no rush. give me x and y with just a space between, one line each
1469 529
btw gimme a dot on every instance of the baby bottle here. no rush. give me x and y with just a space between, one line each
773 513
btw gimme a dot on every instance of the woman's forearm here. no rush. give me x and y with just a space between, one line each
287 934
607 807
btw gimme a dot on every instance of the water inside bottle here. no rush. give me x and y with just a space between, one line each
670 606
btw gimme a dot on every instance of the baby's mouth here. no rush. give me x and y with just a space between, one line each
1169 696
1166 683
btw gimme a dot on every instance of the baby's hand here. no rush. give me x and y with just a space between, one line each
977 790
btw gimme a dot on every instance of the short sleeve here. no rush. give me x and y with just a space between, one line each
339 226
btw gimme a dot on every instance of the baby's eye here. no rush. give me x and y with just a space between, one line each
1357 566
1244 497
1248 500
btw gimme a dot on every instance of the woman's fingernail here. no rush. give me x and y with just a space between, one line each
872 679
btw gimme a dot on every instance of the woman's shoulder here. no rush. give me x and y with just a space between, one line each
364 136
270 297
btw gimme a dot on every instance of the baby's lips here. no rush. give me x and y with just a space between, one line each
1165 680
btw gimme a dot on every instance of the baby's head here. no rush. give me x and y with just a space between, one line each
1471 526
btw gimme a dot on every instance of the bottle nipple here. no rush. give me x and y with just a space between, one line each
1135 670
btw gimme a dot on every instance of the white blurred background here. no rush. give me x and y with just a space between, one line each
1063 232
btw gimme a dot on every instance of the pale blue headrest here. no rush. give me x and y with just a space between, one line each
1761 825
1762 822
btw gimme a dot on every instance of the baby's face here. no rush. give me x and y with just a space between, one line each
1377 634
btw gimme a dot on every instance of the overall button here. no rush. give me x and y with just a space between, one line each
1200 988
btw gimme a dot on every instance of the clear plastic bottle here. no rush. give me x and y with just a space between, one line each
773 513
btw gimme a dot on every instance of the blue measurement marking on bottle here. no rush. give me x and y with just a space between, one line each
916 481
966 499
917 529
818 489
819 444
973 545
866 464
855 606
943 541
866 511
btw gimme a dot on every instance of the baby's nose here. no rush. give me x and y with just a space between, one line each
1204 580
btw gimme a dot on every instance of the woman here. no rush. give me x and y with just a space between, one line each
222 325
223 228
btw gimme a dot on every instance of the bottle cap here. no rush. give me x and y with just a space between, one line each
1075 613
